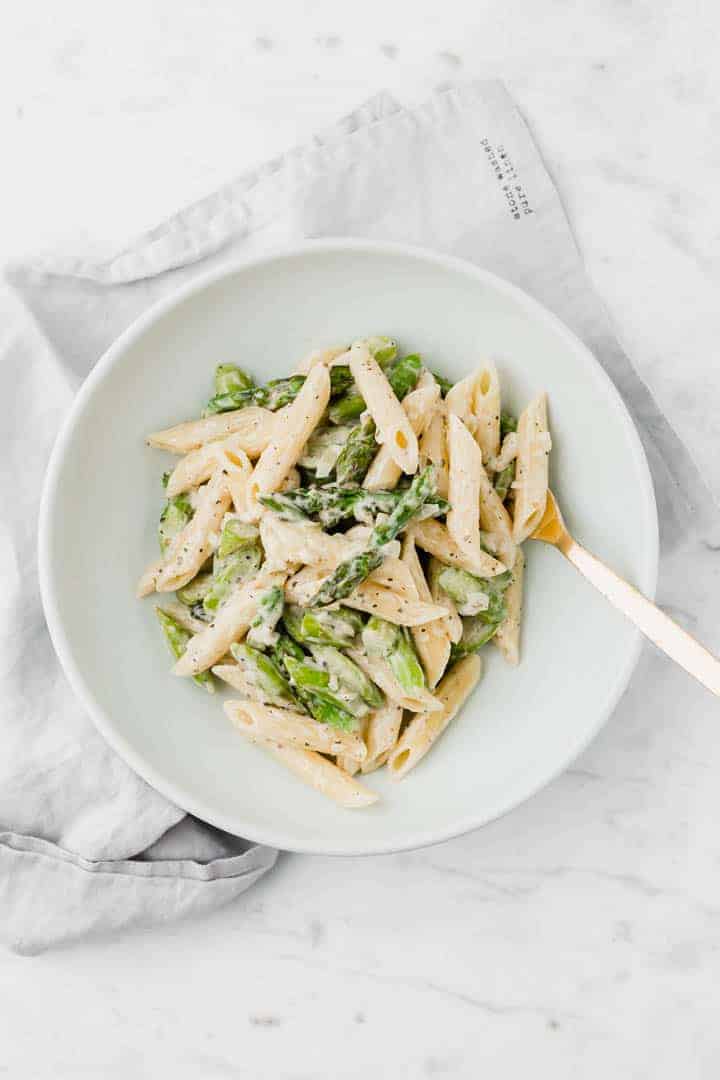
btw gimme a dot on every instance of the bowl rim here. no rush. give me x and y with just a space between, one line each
274 836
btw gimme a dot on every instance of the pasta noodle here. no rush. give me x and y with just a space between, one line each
319 773
282 725
507 637
230 624
463 522
286 446
476 401
531 483
197 541
199 465
435 538
382 733
326 357
419 406
426 727
393 426
253 427
495 519
433 447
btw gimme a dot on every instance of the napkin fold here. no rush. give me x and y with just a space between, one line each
88 846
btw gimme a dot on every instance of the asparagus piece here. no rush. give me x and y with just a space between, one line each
235 390
350 678
508 423
475 595
177 637
323 449
229 377
394 644
339 628
334 503
227 572
328 713
236 535
196 590
175 516
379 637
284 647
405 665
444 384
273 396
262 634
314 686
384 349
403 375
504 479
476 633
264 674
340 379
349 574
286 650
360 448
164 479
310 627
421 490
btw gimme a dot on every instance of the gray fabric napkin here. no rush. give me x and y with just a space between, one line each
89 846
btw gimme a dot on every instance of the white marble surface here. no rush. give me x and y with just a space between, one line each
580 935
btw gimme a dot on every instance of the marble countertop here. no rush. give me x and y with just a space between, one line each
579 936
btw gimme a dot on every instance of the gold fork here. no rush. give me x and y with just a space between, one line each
658 627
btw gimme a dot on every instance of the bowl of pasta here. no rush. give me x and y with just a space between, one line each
311 611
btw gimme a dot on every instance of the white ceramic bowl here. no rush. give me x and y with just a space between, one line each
103 495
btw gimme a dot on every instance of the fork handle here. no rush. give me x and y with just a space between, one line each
654 624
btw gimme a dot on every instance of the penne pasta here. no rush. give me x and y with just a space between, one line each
348 764
253 427
435 538
531 482
326 357
319 773
507 636
419 406
182 615
293 543
382 733
495 519
463 522
230 624
426 727
433 447
148 582
286 447
286 726
433 641
234 676
198 466
194 544
508 453
393 427
392 606
476 401
486 411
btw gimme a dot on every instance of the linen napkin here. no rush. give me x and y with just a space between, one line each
89 846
